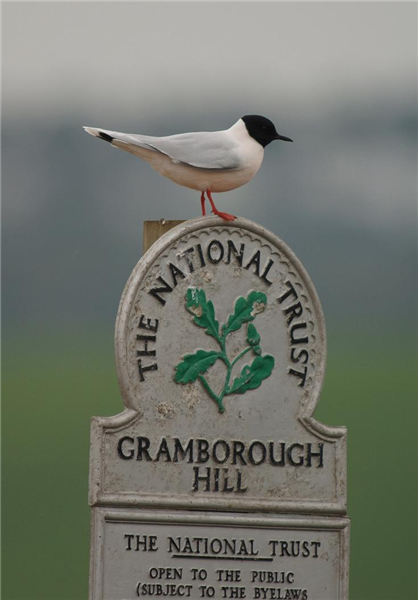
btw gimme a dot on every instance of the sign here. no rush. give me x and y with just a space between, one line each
217 465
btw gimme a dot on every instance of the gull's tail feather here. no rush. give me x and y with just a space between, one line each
134 144
100 133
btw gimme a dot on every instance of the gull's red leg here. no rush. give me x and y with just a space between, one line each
215 211
202 202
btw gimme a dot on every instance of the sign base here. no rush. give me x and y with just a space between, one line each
205 555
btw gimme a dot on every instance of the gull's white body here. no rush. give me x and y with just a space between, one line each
217 161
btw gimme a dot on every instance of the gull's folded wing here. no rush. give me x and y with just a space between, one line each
211 150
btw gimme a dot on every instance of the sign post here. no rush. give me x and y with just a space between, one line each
216 481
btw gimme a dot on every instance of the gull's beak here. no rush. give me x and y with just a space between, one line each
283 138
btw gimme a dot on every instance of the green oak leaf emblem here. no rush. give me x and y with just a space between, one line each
194 366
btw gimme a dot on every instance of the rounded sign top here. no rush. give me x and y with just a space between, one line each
220 321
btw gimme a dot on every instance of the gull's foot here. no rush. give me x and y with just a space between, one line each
225 216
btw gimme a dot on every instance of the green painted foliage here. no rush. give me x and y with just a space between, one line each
253 337
194 365
253 375
203 311
245 310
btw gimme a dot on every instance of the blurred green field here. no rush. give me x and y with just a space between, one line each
52 387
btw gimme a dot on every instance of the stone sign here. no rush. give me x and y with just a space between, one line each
216 481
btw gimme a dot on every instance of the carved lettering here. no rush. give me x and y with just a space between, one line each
163 289
239 254
298 335
254 260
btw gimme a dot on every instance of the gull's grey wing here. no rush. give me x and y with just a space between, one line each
206 150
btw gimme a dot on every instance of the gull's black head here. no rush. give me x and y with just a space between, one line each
262 130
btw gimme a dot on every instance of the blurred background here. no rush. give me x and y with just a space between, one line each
338 78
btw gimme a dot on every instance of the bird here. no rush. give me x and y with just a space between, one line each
206 161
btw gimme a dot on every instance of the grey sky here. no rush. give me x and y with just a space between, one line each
138 57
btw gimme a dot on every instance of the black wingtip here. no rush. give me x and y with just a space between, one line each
105 136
